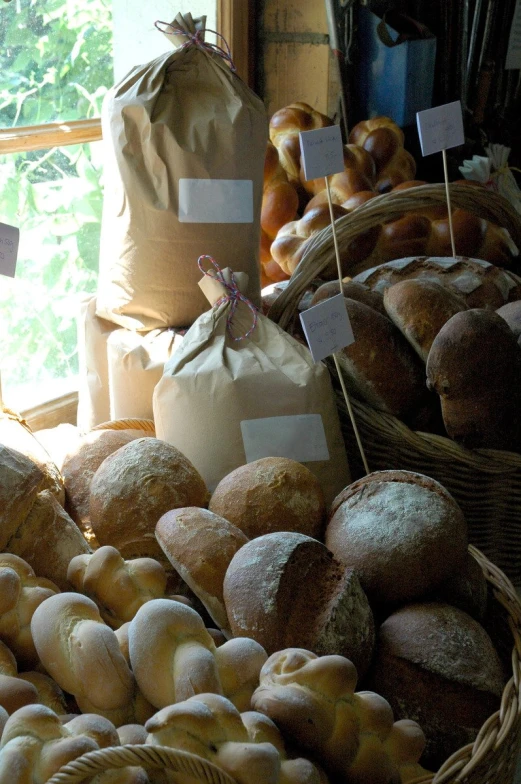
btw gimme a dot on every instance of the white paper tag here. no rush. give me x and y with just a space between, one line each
327 327
9 241
300 437
215 201
440 128
322 152
513 59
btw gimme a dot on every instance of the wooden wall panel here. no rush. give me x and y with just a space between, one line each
294 62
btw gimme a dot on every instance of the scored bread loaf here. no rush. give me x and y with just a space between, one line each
287 590
20 479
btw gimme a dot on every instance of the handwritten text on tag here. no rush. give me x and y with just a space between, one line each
327 327
440 128
322 152
9 240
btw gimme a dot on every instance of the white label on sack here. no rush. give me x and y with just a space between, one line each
322 152
299 437
513 59
9 240
327 327
215 201
441 128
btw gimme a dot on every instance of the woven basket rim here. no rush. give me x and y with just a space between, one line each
131 423
492 737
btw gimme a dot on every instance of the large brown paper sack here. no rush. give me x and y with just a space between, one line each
136 363
215 389
186 141
93 393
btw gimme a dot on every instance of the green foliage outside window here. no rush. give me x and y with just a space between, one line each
55 65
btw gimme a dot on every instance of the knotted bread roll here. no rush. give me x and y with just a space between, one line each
285 127
383 139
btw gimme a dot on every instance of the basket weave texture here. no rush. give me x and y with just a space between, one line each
146 425
486 483
491 759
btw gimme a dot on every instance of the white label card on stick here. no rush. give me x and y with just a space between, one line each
300 437
9 241
322 152
441 128
327 327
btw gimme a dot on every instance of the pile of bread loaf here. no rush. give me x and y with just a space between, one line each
376 162
437 345
237 626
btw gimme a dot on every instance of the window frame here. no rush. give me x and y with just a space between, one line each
234 23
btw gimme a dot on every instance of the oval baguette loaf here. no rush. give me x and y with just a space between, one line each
286 590
271 494
200 545
402 532
134 487
435 664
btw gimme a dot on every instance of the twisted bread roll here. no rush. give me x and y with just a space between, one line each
211 727
312 701
117 586
285 126
82 654
174 657
35 745
383 139
21 592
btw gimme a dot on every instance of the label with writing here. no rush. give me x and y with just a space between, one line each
322 152
513 59
440 128
299 437
327 327
215 201
9 240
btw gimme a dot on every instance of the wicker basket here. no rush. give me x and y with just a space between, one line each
146 425
486 483
491 759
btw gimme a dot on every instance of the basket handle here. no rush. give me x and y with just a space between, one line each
151 757
319 250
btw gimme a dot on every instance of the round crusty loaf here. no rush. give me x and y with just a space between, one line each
420 308
352 290
437 665
80 465
271 494
20 479
286 590
200 545
475 367
402 532
134 487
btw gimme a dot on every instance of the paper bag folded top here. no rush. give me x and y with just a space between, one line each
224 401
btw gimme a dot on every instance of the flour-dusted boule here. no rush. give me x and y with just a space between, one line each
402 532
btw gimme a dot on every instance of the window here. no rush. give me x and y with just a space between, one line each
57 60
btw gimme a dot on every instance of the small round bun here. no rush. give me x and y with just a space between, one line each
134 487
286 590
200 545
402 532
271 494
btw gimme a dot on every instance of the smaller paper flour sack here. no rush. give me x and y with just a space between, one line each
239 388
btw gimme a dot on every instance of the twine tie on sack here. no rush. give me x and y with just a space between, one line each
233 295
197 39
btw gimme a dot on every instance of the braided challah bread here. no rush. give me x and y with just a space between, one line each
285 126
313 702
383 139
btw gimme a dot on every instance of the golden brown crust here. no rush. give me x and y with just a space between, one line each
20 479
200 545
271 494
133 487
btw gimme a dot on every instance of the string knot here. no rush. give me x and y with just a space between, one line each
197 39
233 295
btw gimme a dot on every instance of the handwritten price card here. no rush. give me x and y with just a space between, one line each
9 240
440 128
322 152
327 327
